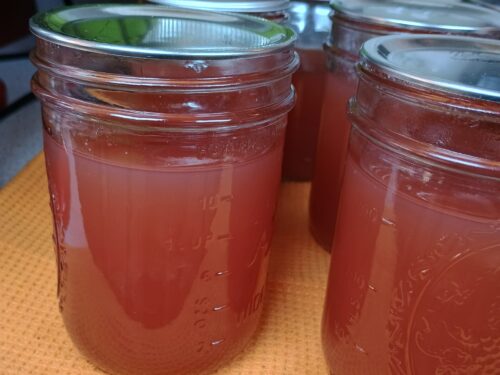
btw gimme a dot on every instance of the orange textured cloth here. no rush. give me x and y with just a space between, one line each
32 336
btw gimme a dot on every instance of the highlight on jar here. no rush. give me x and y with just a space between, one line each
354 22
419 291
310 19
163 138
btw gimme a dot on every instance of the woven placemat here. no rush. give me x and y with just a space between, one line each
32 335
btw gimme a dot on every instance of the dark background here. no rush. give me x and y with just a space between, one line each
20 123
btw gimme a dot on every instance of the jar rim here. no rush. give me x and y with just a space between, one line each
241 6
447 16
463 66
153 31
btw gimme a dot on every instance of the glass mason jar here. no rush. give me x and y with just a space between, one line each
418 291
163 154
354 22
312 24
273 10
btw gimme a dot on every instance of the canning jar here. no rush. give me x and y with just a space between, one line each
354 22
163 135
273 10
414 285
311 22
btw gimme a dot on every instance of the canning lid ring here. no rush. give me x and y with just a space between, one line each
241 6
446 16
153 31
458 65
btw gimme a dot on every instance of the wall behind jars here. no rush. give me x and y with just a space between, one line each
20 127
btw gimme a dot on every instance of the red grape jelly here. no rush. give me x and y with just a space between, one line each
414 284
164 132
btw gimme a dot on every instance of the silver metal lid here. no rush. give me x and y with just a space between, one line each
461 65
160 32
443 16
255 6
